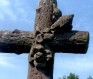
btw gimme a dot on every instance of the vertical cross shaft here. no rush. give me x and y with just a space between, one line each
43 21
44 73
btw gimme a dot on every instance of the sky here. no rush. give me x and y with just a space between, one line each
20 14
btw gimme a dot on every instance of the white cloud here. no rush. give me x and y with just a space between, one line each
4 3
81 65
72 63
11 10
4 61
17 11
6 10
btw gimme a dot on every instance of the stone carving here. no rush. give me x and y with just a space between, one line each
53 33
16 31
40 52
63 24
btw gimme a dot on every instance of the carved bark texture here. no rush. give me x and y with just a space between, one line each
63 24
44 15
15 42
43 22
73 41
42 73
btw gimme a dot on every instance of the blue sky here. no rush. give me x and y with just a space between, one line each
20 14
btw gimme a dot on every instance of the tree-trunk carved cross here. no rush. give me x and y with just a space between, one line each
53 33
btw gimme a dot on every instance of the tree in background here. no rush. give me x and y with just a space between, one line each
64 77
90 77
71 76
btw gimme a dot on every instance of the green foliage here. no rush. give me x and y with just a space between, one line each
90 77
64 77
71 76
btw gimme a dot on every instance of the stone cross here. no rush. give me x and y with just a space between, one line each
53 33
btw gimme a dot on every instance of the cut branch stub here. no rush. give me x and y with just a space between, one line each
63 24
39 38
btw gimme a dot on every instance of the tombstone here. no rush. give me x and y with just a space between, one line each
53 33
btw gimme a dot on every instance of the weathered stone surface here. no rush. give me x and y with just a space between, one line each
53 33
43 15
71 42
43 22
44 73
15 43
63 24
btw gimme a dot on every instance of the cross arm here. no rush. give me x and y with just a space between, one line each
20 41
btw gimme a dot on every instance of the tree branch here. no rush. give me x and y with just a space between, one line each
21 42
